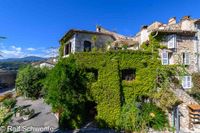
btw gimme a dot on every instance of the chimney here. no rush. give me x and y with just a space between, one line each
186 18
172 21
144 35
144 27
98 28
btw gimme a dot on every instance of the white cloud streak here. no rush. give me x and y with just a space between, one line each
31 49
14 51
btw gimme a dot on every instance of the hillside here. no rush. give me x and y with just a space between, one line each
16 63
25 59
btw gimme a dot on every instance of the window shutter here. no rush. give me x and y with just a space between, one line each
184 82
186 58
187 82
165 60
172 41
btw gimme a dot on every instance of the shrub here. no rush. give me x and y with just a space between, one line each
3 112
29 81
129 118
65 90
7 95
153 117
139 117
9 103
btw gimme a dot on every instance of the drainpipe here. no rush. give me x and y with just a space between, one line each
197 47
177 120
173 117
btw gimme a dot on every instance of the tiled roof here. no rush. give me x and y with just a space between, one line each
71 32
129 42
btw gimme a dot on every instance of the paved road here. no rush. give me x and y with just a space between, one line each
44 118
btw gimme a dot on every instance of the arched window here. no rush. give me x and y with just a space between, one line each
87 46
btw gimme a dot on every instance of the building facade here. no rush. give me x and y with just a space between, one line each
181 46
182 43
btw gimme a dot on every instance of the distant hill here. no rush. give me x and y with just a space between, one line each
27 59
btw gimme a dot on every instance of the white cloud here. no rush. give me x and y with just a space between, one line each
17 49
31 49
14 51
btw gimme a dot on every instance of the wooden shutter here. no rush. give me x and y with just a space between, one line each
187 82
186 58
172 41
165 58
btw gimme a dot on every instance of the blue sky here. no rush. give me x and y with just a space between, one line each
33 26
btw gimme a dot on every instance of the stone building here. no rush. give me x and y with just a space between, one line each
181 40
50 63
83 40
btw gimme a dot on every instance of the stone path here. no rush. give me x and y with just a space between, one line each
43 117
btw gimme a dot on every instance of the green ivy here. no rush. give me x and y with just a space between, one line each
195 91
111 93
117 100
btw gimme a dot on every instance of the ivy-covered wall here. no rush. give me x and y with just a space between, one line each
111 93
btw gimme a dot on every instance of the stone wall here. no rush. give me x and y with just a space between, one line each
187 24
183 109
100 42
184 44
8 78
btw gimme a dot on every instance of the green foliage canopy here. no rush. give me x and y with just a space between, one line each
29 81
66 92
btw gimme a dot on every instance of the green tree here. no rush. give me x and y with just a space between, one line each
29 81
65 91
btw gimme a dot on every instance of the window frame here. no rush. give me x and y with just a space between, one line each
165 58
186 58
128 74
187 82
172 41
85 48
67 48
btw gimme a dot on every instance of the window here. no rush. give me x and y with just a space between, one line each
67 49
165 58
87 46
187 82
186 58
172 41
92 73
128 74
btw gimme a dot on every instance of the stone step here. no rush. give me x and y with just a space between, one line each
183 109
